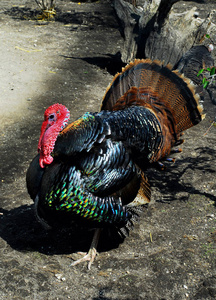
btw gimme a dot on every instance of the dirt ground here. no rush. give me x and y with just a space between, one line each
171 253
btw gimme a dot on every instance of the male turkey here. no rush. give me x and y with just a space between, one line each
88 173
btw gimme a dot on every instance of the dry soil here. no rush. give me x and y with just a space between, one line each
171 253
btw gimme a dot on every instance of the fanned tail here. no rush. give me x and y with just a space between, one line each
148 83
167 94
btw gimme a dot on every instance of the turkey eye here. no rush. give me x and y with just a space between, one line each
51 117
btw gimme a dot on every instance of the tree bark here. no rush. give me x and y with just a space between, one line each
152 29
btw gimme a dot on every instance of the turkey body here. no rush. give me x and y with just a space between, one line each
88 173
95 173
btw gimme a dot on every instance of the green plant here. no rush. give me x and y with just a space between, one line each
209 76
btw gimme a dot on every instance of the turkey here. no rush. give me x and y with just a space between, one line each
90 173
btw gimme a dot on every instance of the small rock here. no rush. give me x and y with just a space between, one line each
210 216
58 276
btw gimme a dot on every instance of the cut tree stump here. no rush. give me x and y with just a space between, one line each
152 29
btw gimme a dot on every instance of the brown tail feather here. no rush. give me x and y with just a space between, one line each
144 193
167 93
138 186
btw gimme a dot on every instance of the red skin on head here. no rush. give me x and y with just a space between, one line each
56 118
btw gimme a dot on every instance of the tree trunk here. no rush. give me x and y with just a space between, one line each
152 29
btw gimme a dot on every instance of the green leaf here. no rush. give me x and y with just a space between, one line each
208 69
207 36
205 83
200 72
212 72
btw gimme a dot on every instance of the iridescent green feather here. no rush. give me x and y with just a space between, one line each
72 198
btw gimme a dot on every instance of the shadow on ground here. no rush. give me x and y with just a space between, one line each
172 183
21 230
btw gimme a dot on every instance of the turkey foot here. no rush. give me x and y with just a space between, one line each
90 256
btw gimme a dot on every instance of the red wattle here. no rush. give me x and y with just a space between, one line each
56 118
